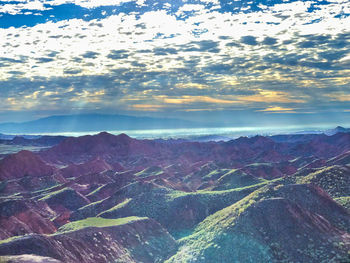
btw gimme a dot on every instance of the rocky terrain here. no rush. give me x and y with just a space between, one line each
113 198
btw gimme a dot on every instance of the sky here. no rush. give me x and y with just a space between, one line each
234 62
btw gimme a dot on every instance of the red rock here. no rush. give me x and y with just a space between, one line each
23 163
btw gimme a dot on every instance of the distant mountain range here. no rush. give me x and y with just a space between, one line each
94 122
336 130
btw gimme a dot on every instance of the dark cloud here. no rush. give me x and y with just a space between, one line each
219 68
144 51
317 65
201 46
16 73
90 54
233 44
141 26
318 39
77 59
324 40
193 62
118 54
21 59
333 55
72 71
52 54
269 41
96 24
307 44
44 59
249 40
341 41
137 64
291 59
56 36
159 51
224 37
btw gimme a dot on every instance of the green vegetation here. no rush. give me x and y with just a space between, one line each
344 201
210 242
237 179
244 231
260 165
66 197
335 180
91 205
214 175
95 191
97 222
178 211
45 191
118 206
10 239
52 194
150 171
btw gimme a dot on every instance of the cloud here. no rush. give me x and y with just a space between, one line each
202 46
339 97
277 109
193 99
269 41
90 54
18 7
249 40
159 51
216 55
146 107
44 59
268 96
118 54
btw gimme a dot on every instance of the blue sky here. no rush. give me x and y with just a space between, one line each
217 60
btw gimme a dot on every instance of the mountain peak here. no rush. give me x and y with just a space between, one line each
340 128
104 134
337 130
123 136
23 163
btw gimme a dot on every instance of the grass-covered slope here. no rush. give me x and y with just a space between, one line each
335 180
28 259
270 225
178 211
97 222
66 197
344 201
236 179
101 240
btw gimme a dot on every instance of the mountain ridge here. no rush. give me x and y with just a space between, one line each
94 122
274 199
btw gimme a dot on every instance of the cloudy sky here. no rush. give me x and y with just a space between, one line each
215 60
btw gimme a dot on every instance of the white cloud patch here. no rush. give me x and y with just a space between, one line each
90 3
18 8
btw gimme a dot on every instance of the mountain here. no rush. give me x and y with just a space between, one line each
270 226
112 198
24 163
6 137
94 122
10 137
129 239
336 130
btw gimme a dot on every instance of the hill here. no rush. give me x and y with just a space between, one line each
113 198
